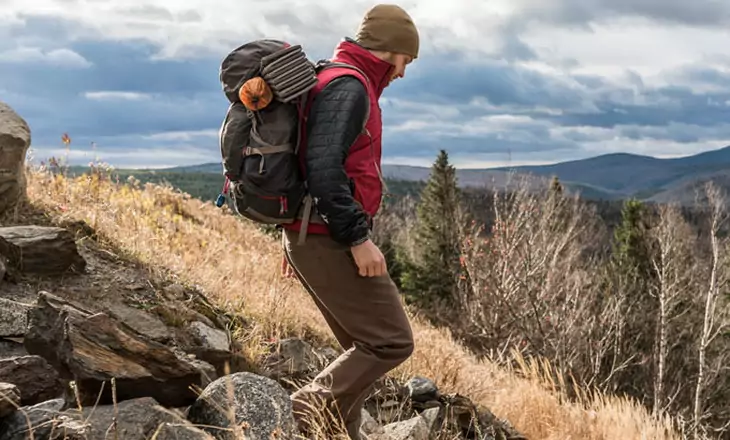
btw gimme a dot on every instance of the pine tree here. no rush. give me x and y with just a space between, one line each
555 186
434 274
632 249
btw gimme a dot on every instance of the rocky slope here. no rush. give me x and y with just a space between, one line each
93 345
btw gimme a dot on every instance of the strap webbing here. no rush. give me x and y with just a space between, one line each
269 149
305 219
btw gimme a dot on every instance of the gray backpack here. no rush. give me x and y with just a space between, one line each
267 83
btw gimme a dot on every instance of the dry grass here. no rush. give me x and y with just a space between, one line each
238 266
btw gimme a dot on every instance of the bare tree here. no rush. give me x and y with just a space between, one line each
532 283
716 284
674 284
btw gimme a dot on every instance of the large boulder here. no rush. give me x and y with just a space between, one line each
41 250
261 408
92 347
14 143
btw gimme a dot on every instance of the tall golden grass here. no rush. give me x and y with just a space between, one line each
238 267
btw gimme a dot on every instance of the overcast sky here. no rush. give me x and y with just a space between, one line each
498 81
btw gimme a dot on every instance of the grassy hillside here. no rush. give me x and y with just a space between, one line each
205 181
238 267
204 185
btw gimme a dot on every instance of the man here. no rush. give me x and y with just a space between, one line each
343 270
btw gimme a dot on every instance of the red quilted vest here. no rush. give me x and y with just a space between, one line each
363 161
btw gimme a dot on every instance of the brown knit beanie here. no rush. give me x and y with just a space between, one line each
388 28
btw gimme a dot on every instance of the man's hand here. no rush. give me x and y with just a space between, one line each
369 260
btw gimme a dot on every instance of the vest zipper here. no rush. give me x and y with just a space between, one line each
383 185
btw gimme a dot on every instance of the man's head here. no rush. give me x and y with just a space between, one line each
389 33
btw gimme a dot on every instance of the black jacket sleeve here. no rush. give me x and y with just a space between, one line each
335 120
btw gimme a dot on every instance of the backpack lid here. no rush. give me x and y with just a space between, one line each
244 62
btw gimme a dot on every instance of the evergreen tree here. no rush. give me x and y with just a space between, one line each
632 251
555 186
434 274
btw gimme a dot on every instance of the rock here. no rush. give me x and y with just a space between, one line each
40 250
369 425
291 358
210 344
418 408
327 355
389 401
136 419
175 292
34 377
179 429
412 429
91 347
176 314
419 427
432 417
13 318
208 372
174 431
135 286
11 348
143 323
9 399
422 389
210 338
261 408
40 417
470 420
14 142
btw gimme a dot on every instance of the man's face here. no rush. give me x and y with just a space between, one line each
399 62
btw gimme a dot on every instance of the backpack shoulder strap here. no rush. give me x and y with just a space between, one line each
308 202
323 65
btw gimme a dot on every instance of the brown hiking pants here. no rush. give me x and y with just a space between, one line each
367 318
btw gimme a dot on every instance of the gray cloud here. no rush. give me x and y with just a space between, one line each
190 16
513 48
581 12
158 13
150 12
423 144
459 80
493 107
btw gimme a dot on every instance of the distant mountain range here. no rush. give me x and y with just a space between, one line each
605 177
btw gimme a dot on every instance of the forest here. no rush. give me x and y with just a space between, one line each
627 298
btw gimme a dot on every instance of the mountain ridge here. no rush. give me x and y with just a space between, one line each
609 176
